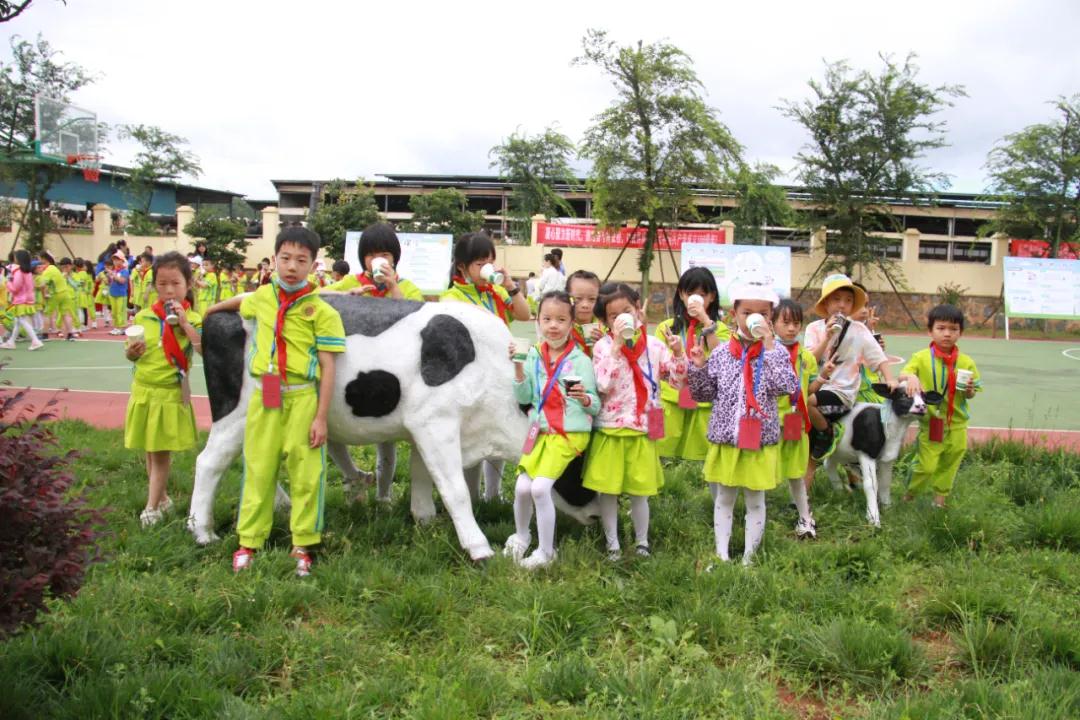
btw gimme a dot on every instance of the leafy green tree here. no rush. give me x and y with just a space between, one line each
35 69
162 157
1036 172
655 144
226 240
867 135
443 211
534 164
761 203
343 208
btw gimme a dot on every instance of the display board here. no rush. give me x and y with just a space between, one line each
731 264
1042 288
425 259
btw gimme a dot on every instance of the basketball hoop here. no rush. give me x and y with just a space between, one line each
90 165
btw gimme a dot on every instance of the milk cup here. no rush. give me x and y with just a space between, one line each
491 275
521 349
628 329
587 331
756 326
135 334
695 301
379 267
963 379
569 381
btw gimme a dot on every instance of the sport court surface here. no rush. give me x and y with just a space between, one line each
1027 384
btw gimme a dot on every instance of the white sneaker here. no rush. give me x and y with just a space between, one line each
149 516
538 559
614 555
36 345
804 529
165 505
515 548
7 345
116 331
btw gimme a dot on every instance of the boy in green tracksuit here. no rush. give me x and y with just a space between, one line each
943 369
286 416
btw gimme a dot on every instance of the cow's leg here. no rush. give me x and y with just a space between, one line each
443 461
385 465
222 447
354 478
832 468
422 503
472 480
884 484
869 482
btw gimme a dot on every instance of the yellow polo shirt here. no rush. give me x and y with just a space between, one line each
409 291
928 369
153 367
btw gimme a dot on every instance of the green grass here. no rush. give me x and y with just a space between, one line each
967 612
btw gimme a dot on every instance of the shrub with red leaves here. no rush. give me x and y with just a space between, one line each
47 534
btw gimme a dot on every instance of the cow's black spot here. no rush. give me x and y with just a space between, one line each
223 339
445 348
867 434
373 394
569 484
370 316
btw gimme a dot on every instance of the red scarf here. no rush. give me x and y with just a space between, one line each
797 399
632 354
376 291
690 334
577 336
173 352
950 383
501 308
735 347
285 301
555 405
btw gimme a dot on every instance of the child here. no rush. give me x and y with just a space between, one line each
61 296
743 380
84 294
118 277
208 285
160 418
623 457
21 293
377 242
867 378
942 440
584 289
787 320
286 415
561 418
142 283
686 422
226 285
339 270
467 284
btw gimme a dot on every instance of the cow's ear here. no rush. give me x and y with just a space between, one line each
881 389
932 397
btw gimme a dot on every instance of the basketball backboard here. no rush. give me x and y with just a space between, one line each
63 131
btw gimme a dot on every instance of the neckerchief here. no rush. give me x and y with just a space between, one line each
797 399
488 297
552 402
735 347
949 361
173 352
285 301
376 290
577 334
632 354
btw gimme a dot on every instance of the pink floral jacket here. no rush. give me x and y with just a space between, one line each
615 381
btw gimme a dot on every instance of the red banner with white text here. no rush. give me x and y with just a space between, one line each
1041 249
591 236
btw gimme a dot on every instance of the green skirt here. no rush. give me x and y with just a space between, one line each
623 461
552 453
794 457
23 310
750 469
158 419
685 432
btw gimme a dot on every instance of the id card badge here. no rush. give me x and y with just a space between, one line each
937 429
271 391
686 400
793 426
655 416
530 438
749 433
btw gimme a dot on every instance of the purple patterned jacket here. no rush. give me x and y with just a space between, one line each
720 382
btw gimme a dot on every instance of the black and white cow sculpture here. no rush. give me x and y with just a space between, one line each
873 435
434 374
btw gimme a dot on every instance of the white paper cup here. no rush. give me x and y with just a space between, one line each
521 348
964 378
628 329
587 331
135 333
380 266
756 326
489 273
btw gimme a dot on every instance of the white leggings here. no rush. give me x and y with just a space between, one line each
609 518
529 493
24 323
493 470
797 488
724 515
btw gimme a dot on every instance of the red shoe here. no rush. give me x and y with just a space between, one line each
242 559
303 561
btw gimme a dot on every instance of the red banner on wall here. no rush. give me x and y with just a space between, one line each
1041 249
590 236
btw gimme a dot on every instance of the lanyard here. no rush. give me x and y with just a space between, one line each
486 301
933 371
551 381
648 361
757 373
279 325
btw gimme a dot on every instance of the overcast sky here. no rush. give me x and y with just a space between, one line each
320 89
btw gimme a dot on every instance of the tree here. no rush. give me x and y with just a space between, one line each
655 144
35 69
443 211
760 203
534 165
1036 172
161 158
342 208
11 10
226 240
867 134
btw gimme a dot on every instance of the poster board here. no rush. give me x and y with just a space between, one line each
740 263
425 259
1042 288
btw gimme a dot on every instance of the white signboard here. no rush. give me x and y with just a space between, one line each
1042 288
731 264
425 259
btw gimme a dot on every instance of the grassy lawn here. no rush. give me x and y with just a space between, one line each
969 612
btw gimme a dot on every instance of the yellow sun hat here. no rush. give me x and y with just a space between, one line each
833 283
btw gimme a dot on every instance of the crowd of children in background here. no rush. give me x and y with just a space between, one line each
608 400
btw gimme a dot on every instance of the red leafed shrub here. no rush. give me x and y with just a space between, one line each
47 534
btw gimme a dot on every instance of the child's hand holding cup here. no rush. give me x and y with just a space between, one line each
624 327
135 341
964 379
519 349
695 306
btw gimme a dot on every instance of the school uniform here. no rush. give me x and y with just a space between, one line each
937 460
61 296
84 292
21 289
208 295
309 326
795 454
225 282
143 294
493 298
409 291
118 297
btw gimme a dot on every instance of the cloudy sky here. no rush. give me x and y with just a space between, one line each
321 89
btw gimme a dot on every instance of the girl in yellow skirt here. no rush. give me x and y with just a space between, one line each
84 294
629 364
794 417
20 287
101 297
743 379
207 283
160 419
696 322
557 379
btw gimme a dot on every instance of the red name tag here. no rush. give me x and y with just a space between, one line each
749 433
271 391
793 426
937 429
655 416
530 438
686 400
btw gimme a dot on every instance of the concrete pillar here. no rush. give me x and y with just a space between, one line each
999 249
729 232
185 214
909 252
102 224
817 241
537 218
264 246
